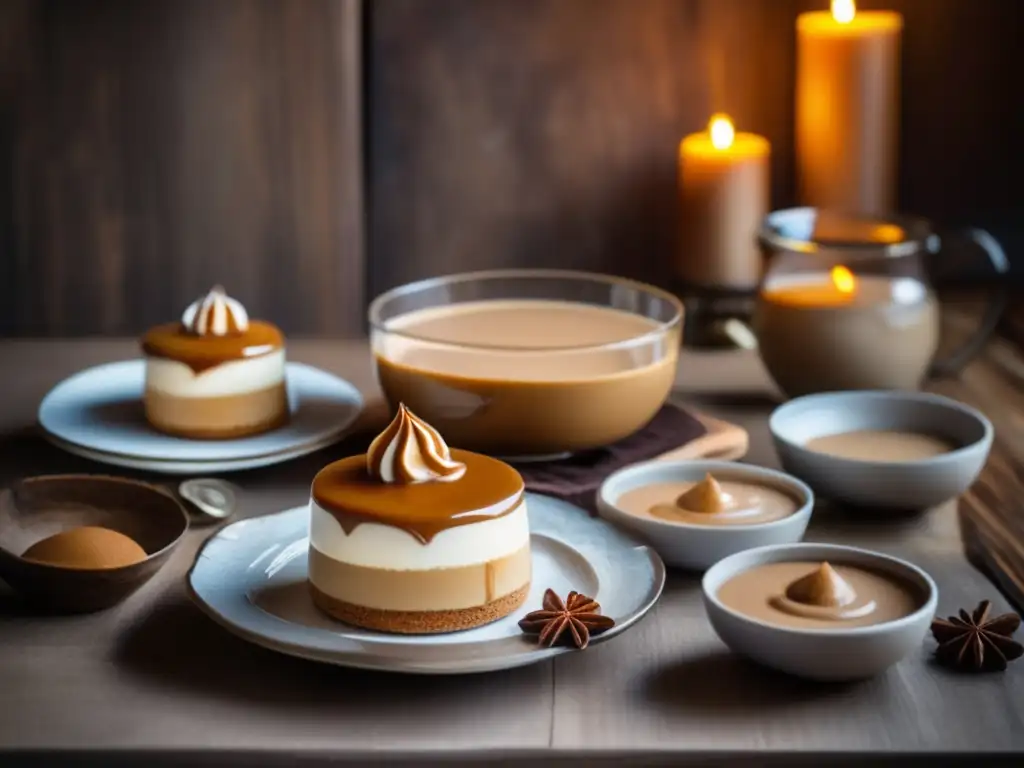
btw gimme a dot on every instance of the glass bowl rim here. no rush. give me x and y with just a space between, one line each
662 328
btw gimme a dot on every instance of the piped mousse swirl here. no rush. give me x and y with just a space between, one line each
411 451
215 314
410 480
823 594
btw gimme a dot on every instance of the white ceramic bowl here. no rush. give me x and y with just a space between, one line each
820 654
898 485
696 547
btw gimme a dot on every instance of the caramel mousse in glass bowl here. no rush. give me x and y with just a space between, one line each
528 363
216 374
416 538
694 513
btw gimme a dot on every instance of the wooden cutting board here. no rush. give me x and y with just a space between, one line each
723 441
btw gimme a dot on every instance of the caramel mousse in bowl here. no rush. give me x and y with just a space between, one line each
694 513
216 374
415 538
884 450
528 363
820 611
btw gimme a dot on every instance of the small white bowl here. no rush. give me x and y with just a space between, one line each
901 485
696 547
853 653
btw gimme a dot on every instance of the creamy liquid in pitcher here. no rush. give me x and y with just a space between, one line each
880 445
813 339
523 374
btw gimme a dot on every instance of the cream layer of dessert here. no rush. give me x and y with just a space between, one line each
414 537
216 373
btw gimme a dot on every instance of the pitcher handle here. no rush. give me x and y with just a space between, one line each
956 360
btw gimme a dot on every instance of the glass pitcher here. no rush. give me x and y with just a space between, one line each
846 302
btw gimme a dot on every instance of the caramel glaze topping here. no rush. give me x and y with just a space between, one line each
489 489
174 342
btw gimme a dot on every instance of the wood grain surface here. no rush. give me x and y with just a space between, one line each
151 150
992 512
153 677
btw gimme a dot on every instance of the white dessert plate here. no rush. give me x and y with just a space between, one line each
98 413
192 468
250 577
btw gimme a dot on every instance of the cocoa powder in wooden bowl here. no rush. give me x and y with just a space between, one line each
34 509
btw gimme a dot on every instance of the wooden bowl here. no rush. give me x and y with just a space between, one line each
38 507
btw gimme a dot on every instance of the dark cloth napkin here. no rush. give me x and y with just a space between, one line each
576 479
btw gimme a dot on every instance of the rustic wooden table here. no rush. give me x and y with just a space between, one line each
155 679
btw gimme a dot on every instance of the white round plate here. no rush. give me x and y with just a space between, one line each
98 413
191 468
250 577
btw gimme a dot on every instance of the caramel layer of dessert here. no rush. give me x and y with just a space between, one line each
489 489
223 417
174 341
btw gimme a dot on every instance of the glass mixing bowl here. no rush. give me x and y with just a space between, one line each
527 362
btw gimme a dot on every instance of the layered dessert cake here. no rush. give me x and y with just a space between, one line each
416 538
216 373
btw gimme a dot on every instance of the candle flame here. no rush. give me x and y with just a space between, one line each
843 279
887 233
722 132
843 11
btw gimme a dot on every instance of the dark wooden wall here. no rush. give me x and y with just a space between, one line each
149 149
544 132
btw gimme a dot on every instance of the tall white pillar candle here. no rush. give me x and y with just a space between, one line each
847 108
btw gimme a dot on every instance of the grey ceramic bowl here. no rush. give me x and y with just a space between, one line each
696 547
902 485
820 654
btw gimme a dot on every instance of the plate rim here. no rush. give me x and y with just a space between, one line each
173 467
355 660
152 463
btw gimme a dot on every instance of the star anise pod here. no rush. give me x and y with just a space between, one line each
579 615
975 642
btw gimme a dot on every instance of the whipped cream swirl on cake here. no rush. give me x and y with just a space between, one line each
215 314
411 451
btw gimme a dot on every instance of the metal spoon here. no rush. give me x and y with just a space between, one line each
214 499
